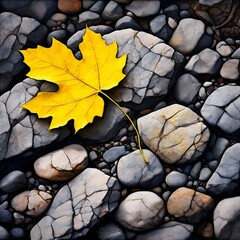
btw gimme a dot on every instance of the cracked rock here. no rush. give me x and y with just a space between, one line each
188 205
222 109
16 33
34 203
20 130
227 219
133 172
169 231
225 179
62 164
175 133
78 206
141 211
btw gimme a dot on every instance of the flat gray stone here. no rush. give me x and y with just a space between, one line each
110 231
113 11
127 22
112 154
176 179
89 18
230 69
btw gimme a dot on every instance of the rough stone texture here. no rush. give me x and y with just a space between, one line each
221 109
175 133
169 231
227 219
78 206
62 164
16 33
186 88
189 36
89 18
38 9
223 49
110 231
225 179
141 211
144 8
151 66
199 64
230 69
133 172
20 130
188 205
34 203
113 11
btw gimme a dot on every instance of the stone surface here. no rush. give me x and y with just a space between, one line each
114 153
221 109
78 206
89 18
175 133
113 11
20 130
227 219
225 179
5 216
176 179
169 231
17 233
127 22
230 69
110 231
62 164
70 6
34 203
141 211
199 64
133 172
189 36
188 205
15 181
223 49
16 33
4 233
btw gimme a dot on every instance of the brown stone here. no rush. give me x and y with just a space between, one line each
70 6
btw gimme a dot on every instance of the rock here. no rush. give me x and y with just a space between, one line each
144 8
188 205
199 64
226 219
13 182
186 88
230 69
17 233
205 174
113 11
190 36
70 6
16 33
58 34
176 179
223 49
114 153
106 128
56 20
110 231
87 18
141 211
99 6
236 54
169 231
41 10
133 172
78 206
150 68
221 109
34 203
62 164
127 22
19 130
4 235
209 3
195 171
5 216
225 179
175 133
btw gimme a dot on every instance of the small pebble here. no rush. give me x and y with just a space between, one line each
17 233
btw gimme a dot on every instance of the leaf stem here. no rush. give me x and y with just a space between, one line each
135 128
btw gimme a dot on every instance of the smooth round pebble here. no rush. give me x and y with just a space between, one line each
5 216
176 179
110 231
17 233
4 235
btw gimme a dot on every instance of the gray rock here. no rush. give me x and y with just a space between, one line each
221 109
58 34
39 9
17 233
110 231
88 3
133 172
220 145
186 88
230 69
224 49
4 235
169 231
5 216
227 219
209 3
114 153
176 179
127 22
13 182
21 131
113 11
78 206
89 18
144 8
205 174
16 33
195 171
225 179
236 54
141 211
98 7
190 36
175 133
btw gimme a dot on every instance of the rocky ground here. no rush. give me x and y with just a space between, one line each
182 91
